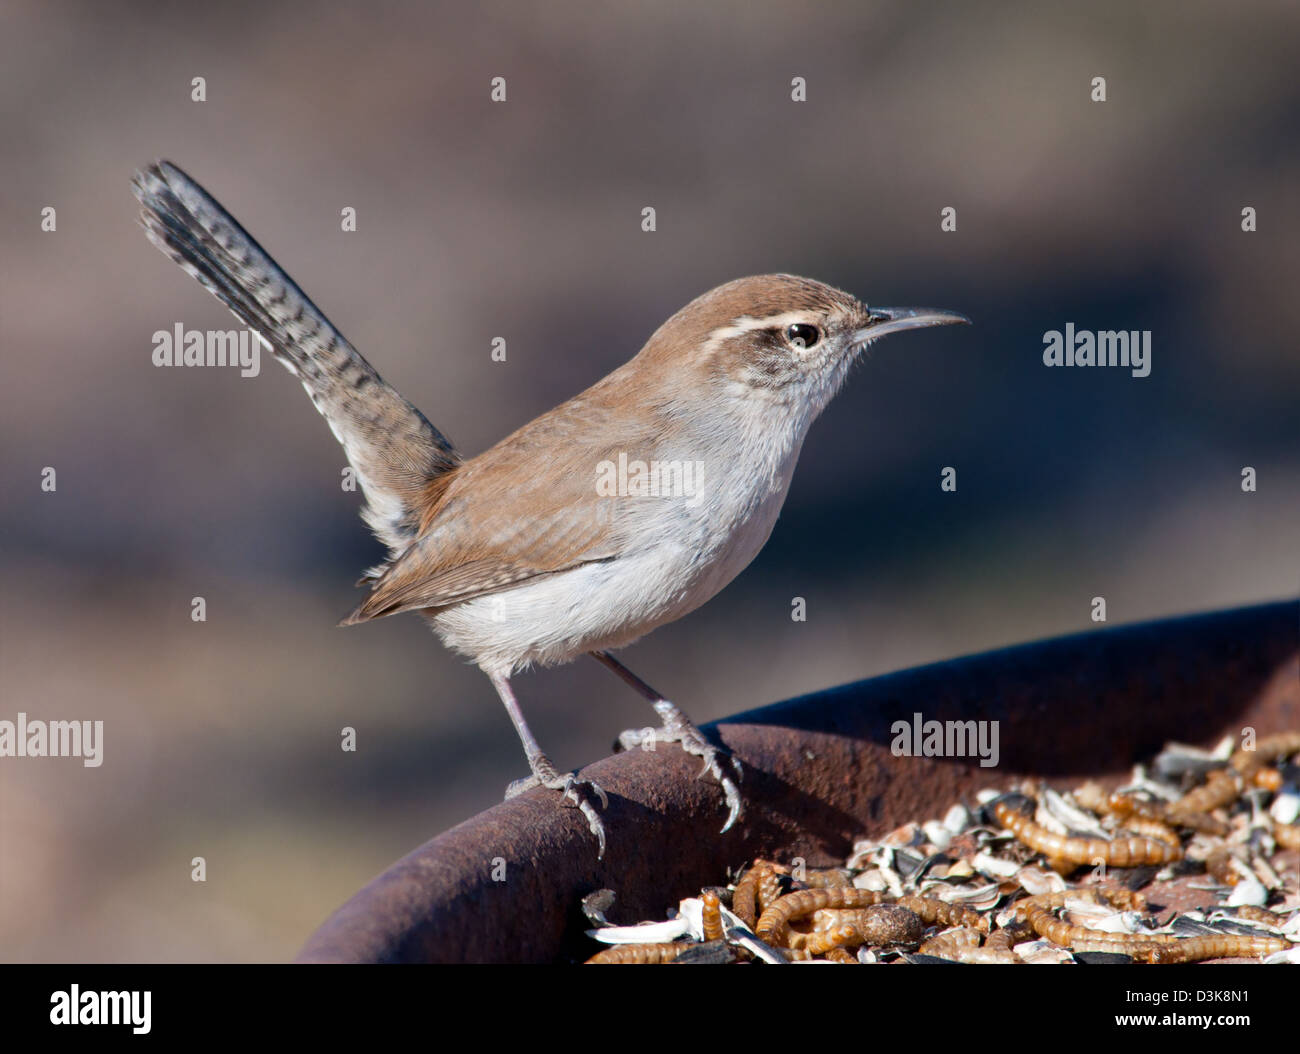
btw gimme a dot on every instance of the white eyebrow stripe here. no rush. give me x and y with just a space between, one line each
748 324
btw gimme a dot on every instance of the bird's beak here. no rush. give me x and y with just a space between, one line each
886 320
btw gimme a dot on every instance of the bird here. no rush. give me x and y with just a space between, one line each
618 511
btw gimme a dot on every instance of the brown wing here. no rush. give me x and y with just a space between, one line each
525 509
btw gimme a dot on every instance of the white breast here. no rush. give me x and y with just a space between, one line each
681 555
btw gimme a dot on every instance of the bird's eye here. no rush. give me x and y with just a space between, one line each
802 335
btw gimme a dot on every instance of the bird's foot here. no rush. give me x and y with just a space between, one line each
678 728
570 787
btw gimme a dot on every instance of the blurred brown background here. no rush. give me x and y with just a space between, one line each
522 220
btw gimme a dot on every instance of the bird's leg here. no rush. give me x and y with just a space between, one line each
677 728
545 773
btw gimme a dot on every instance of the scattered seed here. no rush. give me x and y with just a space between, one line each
949 877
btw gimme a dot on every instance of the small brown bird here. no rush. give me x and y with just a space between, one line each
624 508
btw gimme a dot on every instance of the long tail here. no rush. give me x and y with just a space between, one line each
395 452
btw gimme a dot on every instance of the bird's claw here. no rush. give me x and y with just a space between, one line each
570 790
677 728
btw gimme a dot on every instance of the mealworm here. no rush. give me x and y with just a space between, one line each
1150 947
951 943
1147 827
939 912
1219 867
1124 805
1120 899
773 925
1058 931
769 888
877 925
825 878
1287 835
1015 932
841 955
1269 749
828 918
837 937
1267 778
1065 852
745 897
712 915
1194 949
1091 796
990 957
1255 914
637 954
1219 789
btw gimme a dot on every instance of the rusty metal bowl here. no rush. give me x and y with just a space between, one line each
505 886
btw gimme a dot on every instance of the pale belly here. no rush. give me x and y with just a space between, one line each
687 560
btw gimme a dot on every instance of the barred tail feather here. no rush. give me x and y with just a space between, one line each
394 450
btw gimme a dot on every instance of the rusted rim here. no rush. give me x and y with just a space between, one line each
505 885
